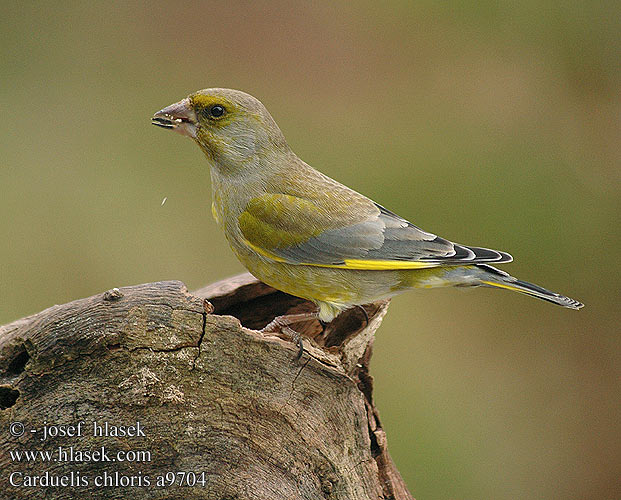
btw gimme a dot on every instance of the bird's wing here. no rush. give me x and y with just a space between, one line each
302 231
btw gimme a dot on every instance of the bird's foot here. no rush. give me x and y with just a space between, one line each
281 324
366 315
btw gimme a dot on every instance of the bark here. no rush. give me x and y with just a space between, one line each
190 396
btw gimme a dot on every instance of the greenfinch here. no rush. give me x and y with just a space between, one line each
304 233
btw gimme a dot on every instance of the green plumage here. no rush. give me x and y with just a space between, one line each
264 224
304 233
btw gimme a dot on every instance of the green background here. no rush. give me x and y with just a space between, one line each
489 123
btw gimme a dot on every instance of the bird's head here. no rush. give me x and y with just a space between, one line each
231 127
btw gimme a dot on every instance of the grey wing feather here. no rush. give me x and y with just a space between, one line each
386 237
398 245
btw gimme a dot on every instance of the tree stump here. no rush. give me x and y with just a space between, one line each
152 392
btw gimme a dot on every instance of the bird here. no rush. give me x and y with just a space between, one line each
310 236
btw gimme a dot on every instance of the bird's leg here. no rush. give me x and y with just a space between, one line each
364 311
281 323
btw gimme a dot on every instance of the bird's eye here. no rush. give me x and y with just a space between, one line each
216 111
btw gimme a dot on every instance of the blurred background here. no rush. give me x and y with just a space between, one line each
490 123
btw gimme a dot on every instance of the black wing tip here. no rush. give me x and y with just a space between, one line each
471 255
489 255
506 257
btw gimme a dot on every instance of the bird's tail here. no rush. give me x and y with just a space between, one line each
499 279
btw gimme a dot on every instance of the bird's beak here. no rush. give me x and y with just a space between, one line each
179 117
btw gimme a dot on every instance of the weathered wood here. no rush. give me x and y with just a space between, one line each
213 398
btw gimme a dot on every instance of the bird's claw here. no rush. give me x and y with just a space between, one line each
281 324
297 340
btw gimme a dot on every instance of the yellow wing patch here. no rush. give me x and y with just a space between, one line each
358 264
214 213
386 265
502 285
265 253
